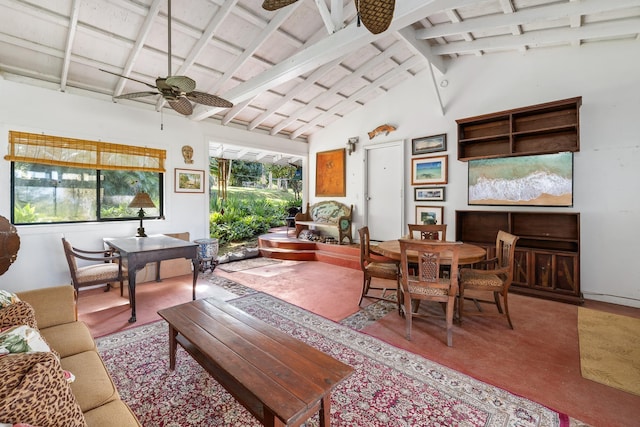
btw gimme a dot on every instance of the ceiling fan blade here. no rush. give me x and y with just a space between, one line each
182 83
376 15
129 78
208 99
181 105
135 95
276 4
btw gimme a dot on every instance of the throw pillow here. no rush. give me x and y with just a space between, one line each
7 298
22 339
18 313
34 391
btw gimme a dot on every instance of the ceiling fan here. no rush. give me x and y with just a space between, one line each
178 91
376 15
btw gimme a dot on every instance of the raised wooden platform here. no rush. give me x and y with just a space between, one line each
282 245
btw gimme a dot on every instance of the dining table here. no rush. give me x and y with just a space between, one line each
469 253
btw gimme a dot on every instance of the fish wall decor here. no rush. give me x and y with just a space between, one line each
381 129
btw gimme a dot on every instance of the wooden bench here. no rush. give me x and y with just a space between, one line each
328 213
279 379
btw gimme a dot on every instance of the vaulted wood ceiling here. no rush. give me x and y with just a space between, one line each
290 72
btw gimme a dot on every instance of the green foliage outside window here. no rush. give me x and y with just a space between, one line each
56 194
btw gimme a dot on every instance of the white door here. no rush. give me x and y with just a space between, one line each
384 201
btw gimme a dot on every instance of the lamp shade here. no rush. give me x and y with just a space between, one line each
142 200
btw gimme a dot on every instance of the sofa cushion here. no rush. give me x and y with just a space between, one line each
33 390
93 386
69 338
115 413
53 306
18 313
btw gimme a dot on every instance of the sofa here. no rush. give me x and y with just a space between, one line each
31 391
327 213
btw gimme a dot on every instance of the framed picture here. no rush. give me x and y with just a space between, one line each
428 194
331 173
429 144
189 181
541 180
429 170
429 214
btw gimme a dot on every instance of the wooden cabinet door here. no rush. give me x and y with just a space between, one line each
521 268
566 273
556 272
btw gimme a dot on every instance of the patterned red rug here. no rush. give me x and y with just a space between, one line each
390 386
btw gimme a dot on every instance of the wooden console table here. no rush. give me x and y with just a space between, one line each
279 379
139 251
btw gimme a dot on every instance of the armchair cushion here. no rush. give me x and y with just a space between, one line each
96 272
480 279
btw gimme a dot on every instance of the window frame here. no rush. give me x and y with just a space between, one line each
98 218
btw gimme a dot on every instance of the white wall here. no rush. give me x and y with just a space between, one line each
41 261
606 170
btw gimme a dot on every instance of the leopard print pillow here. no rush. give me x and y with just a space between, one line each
18 313
33 390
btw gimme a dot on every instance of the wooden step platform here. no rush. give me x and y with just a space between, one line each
282 245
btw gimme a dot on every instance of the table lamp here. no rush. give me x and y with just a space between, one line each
141 200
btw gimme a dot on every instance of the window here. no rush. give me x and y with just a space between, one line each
57 194
57 179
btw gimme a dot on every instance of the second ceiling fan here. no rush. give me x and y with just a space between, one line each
376 15
178 91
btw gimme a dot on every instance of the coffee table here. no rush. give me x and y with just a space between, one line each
279 379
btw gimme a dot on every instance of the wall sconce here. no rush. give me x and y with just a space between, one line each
141 200
351 144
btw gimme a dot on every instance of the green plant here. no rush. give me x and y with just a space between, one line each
25 214
247 213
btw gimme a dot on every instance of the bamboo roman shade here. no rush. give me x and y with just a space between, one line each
80 153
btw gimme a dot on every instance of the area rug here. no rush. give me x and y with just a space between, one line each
390 387
246 264
610 349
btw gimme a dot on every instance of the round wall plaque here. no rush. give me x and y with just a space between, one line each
9 244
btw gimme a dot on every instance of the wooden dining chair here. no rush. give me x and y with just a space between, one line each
495 278
375 265
428 231
427 284
106 268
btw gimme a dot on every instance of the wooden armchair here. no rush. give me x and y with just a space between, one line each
376 267
428 231
496 279
108 269
427 284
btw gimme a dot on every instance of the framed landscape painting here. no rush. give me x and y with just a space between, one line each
429 214
331 173
541 180
429 170
429 144
428 194
189 181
